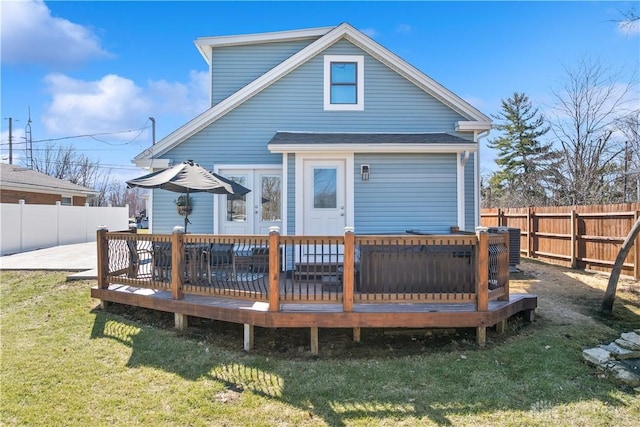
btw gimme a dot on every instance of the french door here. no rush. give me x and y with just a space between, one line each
254 212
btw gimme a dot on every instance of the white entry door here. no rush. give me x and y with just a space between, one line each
324 197
254 212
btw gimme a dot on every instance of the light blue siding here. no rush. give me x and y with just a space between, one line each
405 192
165 212
469 189
236 66
295 103
291 199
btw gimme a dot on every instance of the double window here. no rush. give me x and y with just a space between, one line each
343 82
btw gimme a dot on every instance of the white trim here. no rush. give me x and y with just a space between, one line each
372 148
348 159
205 44
216 169
35 188
359 60
285 193
148 163
460 191
149 209
472 126
296 60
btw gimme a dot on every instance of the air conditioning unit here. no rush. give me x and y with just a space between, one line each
514 244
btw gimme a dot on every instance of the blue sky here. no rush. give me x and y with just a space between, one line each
98 68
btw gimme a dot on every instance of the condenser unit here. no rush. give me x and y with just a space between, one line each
514 244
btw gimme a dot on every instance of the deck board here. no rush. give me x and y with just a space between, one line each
321 314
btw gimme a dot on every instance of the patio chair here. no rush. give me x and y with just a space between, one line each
217 257
137 255
161 255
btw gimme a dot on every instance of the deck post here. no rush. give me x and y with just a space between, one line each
314 340
103 256
181 321
348 269
274 268
248 337
482 273
177 275
357 334
482 282
481 335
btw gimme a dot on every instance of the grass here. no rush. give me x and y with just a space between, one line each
67 362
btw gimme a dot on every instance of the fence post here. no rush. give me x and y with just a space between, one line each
348 269
274 268
58 204
531 233
21 203
103 257
573 226
177 275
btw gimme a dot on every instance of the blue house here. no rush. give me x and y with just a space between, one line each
329 129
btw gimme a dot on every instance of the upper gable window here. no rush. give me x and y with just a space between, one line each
343 82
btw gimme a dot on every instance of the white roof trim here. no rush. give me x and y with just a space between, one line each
373 148
273 75
35 188
470 126
153 163
205 44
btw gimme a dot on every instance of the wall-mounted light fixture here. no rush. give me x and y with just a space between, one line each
364 172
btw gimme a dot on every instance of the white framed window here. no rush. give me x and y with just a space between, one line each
66 200
344 82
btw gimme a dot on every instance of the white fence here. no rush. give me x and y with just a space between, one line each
27 227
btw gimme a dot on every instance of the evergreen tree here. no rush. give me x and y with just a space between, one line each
523 160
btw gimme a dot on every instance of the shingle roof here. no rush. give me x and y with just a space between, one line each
365 138
17 176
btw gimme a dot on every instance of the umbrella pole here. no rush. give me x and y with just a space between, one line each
186 213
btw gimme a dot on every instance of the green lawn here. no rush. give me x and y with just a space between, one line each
66 362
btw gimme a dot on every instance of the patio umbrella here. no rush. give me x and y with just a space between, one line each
188 177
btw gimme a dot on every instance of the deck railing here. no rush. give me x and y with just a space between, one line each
282 270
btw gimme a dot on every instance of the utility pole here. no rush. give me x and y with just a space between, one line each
153 130
10 140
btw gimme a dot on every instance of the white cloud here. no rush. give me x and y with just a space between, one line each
629 27
30 35
187 99
112 103
115 103
404 29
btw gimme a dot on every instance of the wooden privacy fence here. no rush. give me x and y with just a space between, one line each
583 237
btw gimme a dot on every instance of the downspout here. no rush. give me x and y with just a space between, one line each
476 138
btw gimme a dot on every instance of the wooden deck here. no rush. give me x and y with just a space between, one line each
404 283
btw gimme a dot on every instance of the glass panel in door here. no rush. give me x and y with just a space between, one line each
254 212
270 206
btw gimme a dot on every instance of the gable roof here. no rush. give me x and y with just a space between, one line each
18 178
343 31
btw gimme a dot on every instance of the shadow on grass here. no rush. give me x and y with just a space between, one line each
405 376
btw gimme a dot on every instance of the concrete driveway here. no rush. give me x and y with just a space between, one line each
80 258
